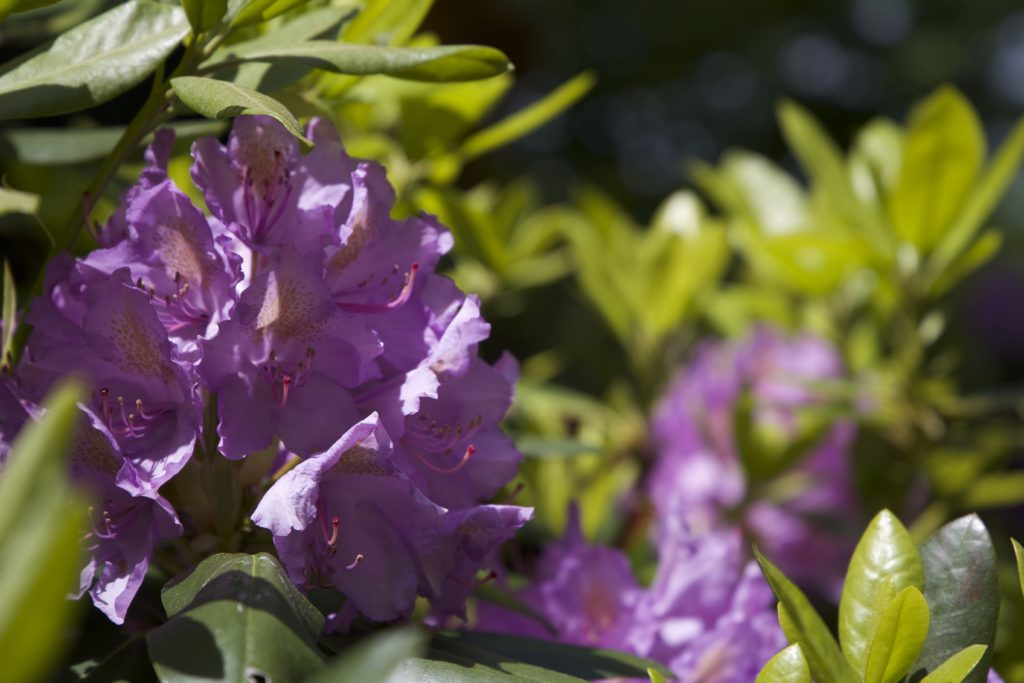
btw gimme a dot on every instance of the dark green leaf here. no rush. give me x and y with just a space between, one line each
441 63
536 659
204 14
93 62
233 617
883 564
62 146
375 658
961 585
219 100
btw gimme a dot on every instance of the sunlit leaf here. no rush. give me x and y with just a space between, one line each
220 100
885 560
93 62
788 666
901 633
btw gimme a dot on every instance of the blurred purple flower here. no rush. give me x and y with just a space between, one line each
698 482
708 615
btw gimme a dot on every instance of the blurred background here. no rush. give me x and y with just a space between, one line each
688 80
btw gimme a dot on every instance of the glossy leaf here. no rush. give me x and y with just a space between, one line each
440 63
93 62
885 560
958 667
943 152
376 658
204 14
788 666
220 100
819 647
901 633
42 522
961 584
259 11
235 617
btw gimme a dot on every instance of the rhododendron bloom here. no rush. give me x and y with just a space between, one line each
698 482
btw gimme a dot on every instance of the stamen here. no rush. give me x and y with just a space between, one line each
403 296
470 450
355 562
330 539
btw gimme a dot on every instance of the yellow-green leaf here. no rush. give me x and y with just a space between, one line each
899 638
885 560
788 666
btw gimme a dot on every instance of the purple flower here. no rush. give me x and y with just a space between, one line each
142 394
171 252
372 266
698 482
13 415
588 594
349 518
285 363
125 527
708 614
266 193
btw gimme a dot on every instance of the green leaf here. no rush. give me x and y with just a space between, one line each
901 633
959 666
259 11
961 584
656 676
93 62
488 655
440 63
885 560
375 658
219 100
64 146
322 22
943 152
981 201
1018 553
527 119
204 14
42 523
788 666
9 317
235 617
819 647
822 161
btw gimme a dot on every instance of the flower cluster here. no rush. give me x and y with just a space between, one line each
708 614
699 483
316 322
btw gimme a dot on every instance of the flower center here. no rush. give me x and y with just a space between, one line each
409 280
265 194
122 420
284 379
